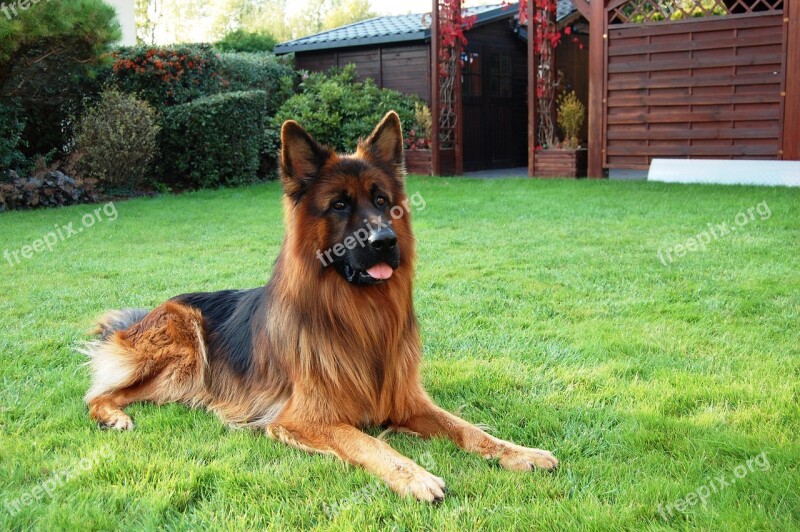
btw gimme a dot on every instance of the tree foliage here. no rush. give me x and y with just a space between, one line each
50 59
246 41
73 32
253 16
171 21
12 124
321 15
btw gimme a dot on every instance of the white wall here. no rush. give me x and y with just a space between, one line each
126 15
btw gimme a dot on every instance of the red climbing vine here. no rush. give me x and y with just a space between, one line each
453 23
546 37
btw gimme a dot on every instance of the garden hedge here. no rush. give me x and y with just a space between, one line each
252 71
213 141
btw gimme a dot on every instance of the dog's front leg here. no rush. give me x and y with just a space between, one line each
429 420
351 445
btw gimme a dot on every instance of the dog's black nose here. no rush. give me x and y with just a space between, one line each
383 239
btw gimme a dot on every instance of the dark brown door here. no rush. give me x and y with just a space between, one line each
491 124
501 106
475 134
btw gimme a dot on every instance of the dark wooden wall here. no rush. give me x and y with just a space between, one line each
699 88
402 68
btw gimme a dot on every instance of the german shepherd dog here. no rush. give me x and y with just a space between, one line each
322 349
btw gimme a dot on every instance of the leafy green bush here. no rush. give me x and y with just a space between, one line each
170 75
338 111
246 41
214 140
116 140
11 127
247 72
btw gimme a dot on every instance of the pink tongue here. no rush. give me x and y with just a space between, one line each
380 271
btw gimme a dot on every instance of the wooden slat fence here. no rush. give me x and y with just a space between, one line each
706 87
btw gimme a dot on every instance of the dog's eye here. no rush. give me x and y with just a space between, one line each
380 201
340 205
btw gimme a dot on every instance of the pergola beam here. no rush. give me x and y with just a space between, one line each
532 73
597 41
436 165
458 103
791 91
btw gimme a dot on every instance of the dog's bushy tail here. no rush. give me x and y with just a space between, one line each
112 363
117 320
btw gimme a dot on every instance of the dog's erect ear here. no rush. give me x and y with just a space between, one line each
385 143
301 158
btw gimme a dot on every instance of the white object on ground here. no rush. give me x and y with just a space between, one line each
725 172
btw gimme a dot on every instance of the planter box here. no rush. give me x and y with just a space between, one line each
419 162
560 163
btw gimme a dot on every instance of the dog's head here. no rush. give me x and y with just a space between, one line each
348 213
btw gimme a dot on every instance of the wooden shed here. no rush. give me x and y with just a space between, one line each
712 79
395 52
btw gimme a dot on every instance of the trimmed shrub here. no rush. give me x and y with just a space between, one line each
116 140
338 111
246 41
213 141
170 75
247 72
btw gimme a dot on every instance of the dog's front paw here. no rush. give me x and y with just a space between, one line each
417 482
524 459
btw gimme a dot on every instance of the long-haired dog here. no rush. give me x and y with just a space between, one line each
329 345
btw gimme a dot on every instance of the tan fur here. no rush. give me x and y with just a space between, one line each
331 357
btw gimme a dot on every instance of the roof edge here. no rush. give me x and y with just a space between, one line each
285 48
486 17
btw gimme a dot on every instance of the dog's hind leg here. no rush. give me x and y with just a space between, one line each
106 409
161 358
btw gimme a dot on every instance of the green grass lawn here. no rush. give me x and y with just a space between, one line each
546 315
